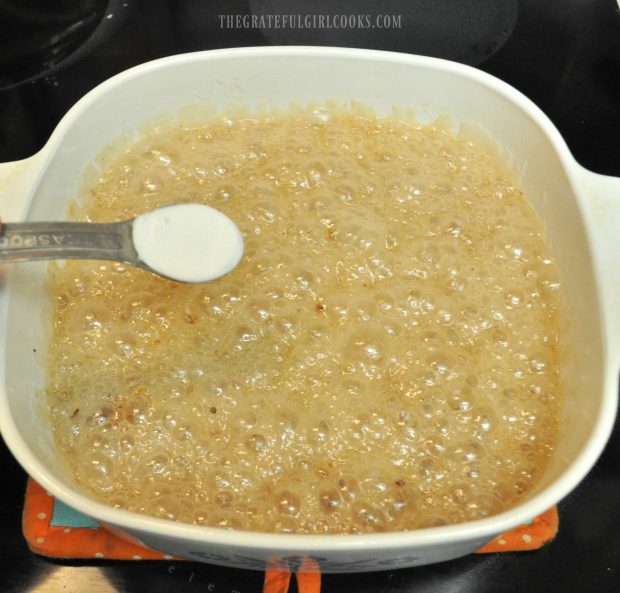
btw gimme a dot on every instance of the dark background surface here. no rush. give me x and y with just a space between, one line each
563 54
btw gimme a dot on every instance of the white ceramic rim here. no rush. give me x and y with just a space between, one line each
479 529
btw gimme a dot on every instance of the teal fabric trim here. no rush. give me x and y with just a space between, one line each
65 516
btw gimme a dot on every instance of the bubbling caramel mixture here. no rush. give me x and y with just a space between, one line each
385 356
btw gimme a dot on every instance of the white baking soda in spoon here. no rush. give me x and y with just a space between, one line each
188 242
185 242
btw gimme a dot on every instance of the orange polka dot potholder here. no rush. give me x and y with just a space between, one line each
55 530
531 536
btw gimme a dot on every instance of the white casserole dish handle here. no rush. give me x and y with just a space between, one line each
602 193
17 180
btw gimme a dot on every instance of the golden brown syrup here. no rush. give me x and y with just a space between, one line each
384 357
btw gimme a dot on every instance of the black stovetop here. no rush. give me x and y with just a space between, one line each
563 54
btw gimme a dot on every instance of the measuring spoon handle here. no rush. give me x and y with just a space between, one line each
26 241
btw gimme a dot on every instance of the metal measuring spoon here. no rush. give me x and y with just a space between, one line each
185 242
